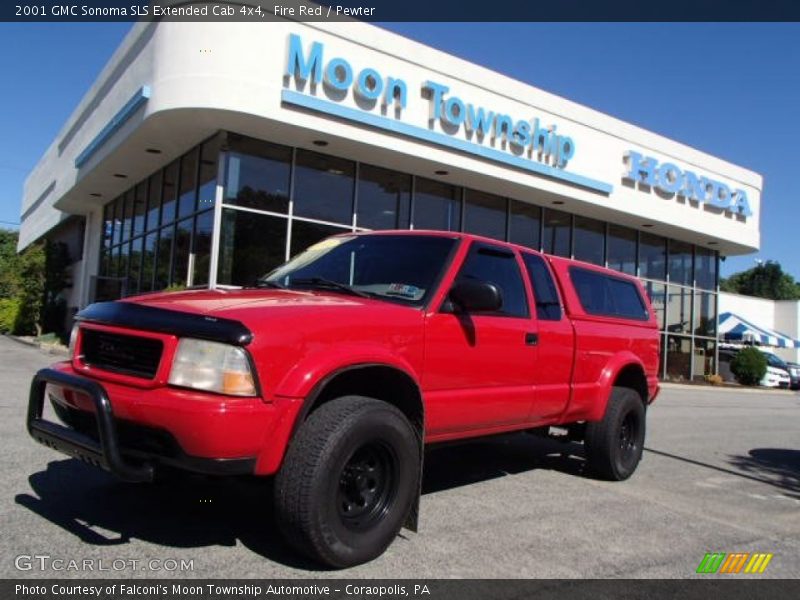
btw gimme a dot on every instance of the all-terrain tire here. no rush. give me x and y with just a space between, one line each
614 445
349 479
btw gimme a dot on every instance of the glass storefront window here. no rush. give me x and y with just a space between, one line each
127 216
525 225
149 261
652 256
705 268
705 314
251 245
139 209
207 174
384 198
164 257
135 266
180 254
187 191
704 360
622 249
485 214
119 208
436 205
201 246
122 266
679 358
154 201
589 242
680 262
257 175
557 232
679 307
323 187
657 294
170 193
108 227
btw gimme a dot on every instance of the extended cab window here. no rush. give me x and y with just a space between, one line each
496 265
548 306
602 294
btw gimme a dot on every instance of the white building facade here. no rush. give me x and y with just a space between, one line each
205 154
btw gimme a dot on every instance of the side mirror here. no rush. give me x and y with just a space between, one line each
476 296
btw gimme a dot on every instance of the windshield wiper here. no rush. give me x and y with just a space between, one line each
320 282
264 283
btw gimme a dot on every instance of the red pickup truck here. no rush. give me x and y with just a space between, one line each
334 370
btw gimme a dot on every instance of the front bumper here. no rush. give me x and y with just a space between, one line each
99 442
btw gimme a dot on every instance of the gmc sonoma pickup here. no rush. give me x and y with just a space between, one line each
334 370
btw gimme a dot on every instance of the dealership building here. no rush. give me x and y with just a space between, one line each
205 154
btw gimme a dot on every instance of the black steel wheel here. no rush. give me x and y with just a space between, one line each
614 445
348 481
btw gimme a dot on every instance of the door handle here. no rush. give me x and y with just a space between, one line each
531 339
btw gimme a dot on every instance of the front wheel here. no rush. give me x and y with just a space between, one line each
348 481
614 445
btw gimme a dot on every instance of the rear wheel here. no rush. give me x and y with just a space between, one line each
614 445
348 481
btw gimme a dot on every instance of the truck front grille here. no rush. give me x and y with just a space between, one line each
126 354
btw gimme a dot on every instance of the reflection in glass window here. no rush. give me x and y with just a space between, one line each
679 309
257 175
657 293
323 187
704 361
556 232
207 182
652 256
436 205
127 216
164 257
306 234
122 266
621 249
119 209
524 228
180 254
250 246
201 247
139 208
154 201
108 227
679 358
149 261
589 242
135 262
187 191
705 268
705 314
384 198
680 262
170 193
485 214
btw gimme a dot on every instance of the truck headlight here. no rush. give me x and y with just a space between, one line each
212 367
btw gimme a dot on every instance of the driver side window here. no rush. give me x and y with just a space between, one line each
497 265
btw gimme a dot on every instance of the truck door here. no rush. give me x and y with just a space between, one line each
552 374
478 371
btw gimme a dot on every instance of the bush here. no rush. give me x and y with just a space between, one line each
9 309
749 366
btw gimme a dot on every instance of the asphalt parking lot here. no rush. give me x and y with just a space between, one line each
721 473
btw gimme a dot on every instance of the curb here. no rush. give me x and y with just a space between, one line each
725 388
48 348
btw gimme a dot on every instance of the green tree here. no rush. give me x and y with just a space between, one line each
749 366
32 280
766 280
10 284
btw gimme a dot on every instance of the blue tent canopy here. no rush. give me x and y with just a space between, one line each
732 327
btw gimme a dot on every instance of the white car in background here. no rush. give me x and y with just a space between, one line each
777 375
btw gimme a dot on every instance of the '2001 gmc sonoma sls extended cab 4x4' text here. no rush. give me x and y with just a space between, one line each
334 370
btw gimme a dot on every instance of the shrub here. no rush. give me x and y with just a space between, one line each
714 379
749 366
9 309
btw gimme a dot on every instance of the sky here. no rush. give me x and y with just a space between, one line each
731 90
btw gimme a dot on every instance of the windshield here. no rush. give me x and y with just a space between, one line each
400 268
774 361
